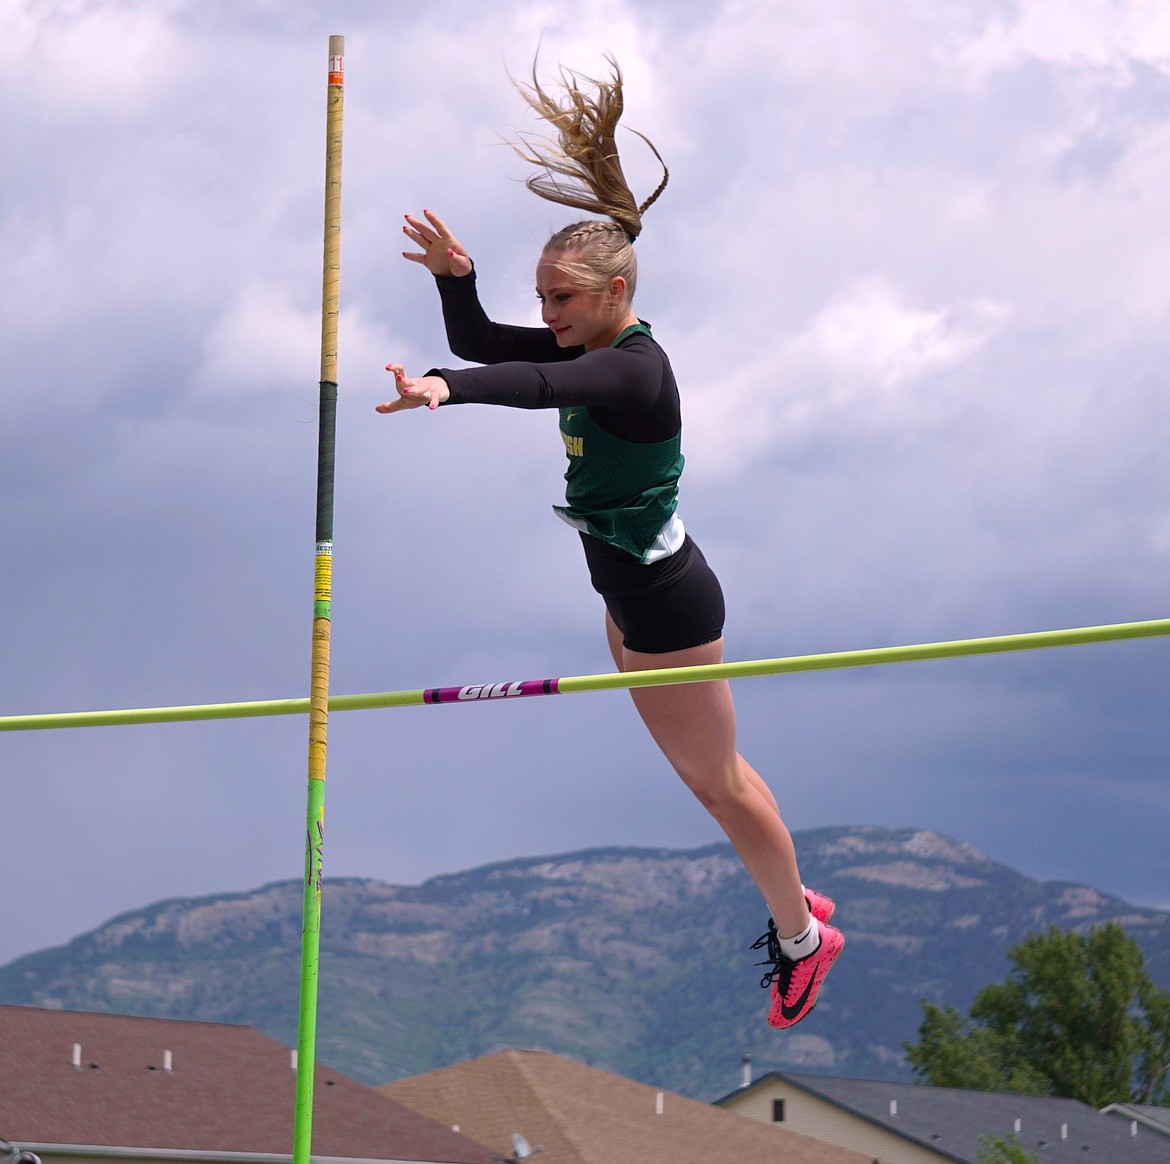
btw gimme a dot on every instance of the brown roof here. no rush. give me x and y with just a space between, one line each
230 1089
580 1115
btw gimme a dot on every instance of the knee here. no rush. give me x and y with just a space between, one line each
720 792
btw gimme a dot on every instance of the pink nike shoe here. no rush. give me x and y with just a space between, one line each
796 983
820 906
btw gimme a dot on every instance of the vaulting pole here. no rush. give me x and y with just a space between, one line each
322 612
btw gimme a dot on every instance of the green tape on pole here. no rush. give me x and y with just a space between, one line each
310 958
326 460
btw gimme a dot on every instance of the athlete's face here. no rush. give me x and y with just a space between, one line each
577 315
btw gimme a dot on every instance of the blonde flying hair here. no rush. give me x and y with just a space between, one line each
582 169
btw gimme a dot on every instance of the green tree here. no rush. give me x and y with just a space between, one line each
997 1150
1078 1017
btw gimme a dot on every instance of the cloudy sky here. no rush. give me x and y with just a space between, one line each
913 272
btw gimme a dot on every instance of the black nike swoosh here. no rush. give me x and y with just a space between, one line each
790 1012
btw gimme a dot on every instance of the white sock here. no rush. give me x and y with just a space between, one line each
803 943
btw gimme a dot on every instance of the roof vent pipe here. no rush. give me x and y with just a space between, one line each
292 1058
1132 1128
658 1104
168 1062
747 1071
893 1108
77 1056
1064 1131
1019 1126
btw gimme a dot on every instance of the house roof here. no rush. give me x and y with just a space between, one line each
582 1115
1157 1118
229 1089
950 1120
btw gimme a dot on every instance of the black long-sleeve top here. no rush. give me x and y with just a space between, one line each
629 391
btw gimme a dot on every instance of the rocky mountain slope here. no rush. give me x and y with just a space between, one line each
631 959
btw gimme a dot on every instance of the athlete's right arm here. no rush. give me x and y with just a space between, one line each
471 335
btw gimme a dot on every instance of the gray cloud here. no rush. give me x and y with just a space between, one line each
911 271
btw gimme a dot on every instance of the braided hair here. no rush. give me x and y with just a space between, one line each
583 170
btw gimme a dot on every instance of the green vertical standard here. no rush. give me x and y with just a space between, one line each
322 613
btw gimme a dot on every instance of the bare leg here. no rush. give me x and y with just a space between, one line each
618 651
694 726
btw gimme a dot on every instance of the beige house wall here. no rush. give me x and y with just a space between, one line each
823 1121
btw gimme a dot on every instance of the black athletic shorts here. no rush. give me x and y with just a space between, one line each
669 605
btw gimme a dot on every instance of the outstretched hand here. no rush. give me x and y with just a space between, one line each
443 253
428 390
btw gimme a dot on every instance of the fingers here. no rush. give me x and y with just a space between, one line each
420 232
421 236
457 263
439 225
442 253
416 232
411 394
403 385
401 381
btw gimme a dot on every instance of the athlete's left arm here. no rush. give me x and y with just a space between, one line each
414 393
627 382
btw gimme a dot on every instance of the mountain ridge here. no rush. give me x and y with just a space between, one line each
634 959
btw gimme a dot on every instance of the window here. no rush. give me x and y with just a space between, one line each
777 1111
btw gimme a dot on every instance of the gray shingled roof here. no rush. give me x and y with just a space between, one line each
951 1120
1157 1118
229 1089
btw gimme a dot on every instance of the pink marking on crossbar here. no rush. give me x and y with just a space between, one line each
474 691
